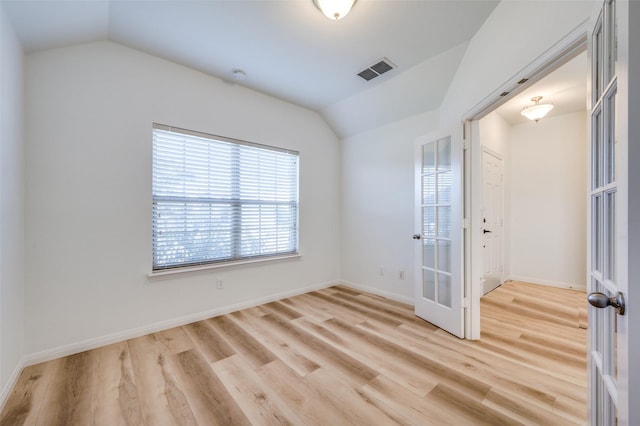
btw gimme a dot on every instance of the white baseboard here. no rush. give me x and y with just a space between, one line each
13 379
373 290
549 283
93 343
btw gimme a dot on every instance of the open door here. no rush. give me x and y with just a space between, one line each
439 288
608 221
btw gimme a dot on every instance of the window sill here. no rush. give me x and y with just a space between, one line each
194 270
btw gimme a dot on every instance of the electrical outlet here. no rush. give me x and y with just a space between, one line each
219 284
401 274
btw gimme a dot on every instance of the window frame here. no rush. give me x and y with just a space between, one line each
235 203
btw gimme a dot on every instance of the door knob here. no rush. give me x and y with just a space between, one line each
600 300
417 236
486 231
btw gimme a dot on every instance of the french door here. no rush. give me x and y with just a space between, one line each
439 289
607 252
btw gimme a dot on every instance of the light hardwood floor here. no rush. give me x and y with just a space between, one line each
331 357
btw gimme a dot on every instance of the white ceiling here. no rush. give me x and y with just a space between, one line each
565 88
287 48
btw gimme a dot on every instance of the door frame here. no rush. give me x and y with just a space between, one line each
557 55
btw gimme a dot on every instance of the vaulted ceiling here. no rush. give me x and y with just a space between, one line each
286 48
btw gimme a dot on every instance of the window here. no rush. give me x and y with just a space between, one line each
219 200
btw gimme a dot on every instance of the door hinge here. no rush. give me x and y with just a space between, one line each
465 145
466 223
465 303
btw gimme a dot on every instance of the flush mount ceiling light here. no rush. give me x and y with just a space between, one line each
536 111
238 75
334 9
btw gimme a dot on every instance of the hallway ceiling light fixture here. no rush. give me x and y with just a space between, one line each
536 111
334 9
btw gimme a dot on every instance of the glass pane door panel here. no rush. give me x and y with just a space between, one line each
429 158
610 140
444 290
610 236
444 187
428 284
444 255
598 56
429 221
596 154
610 41
429 253
597 316
596 233
444 221
429 189
444 154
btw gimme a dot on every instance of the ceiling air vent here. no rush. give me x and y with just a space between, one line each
376 69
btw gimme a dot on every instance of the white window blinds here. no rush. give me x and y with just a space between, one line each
217 199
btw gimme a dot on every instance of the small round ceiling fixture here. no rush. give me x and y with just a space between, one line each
239 75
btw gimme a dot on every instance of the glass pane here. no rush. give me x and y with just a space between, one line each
610 326
429 253
428 284
611 412
597 61
610 140
444 221
444 290
444 187
597 386
444 255
429 221
596 149
429 189
598 321
429 158
615 346
596 233
611 51
444 154
610 237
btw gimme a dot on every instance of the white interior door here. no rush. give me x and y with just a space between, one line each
607 253
438 255
492 220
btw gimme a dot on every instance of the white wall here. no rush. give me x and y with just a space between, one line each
12 206
377 166
89 111
377 206
506 44
494 134
547 172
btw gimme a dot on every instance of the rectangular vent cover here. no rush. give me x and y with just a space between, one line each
376 69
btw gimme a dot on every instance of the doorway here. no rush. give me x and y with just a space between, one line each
534 183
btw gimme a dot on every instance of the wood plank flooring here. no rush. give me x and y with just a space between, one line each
330 357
